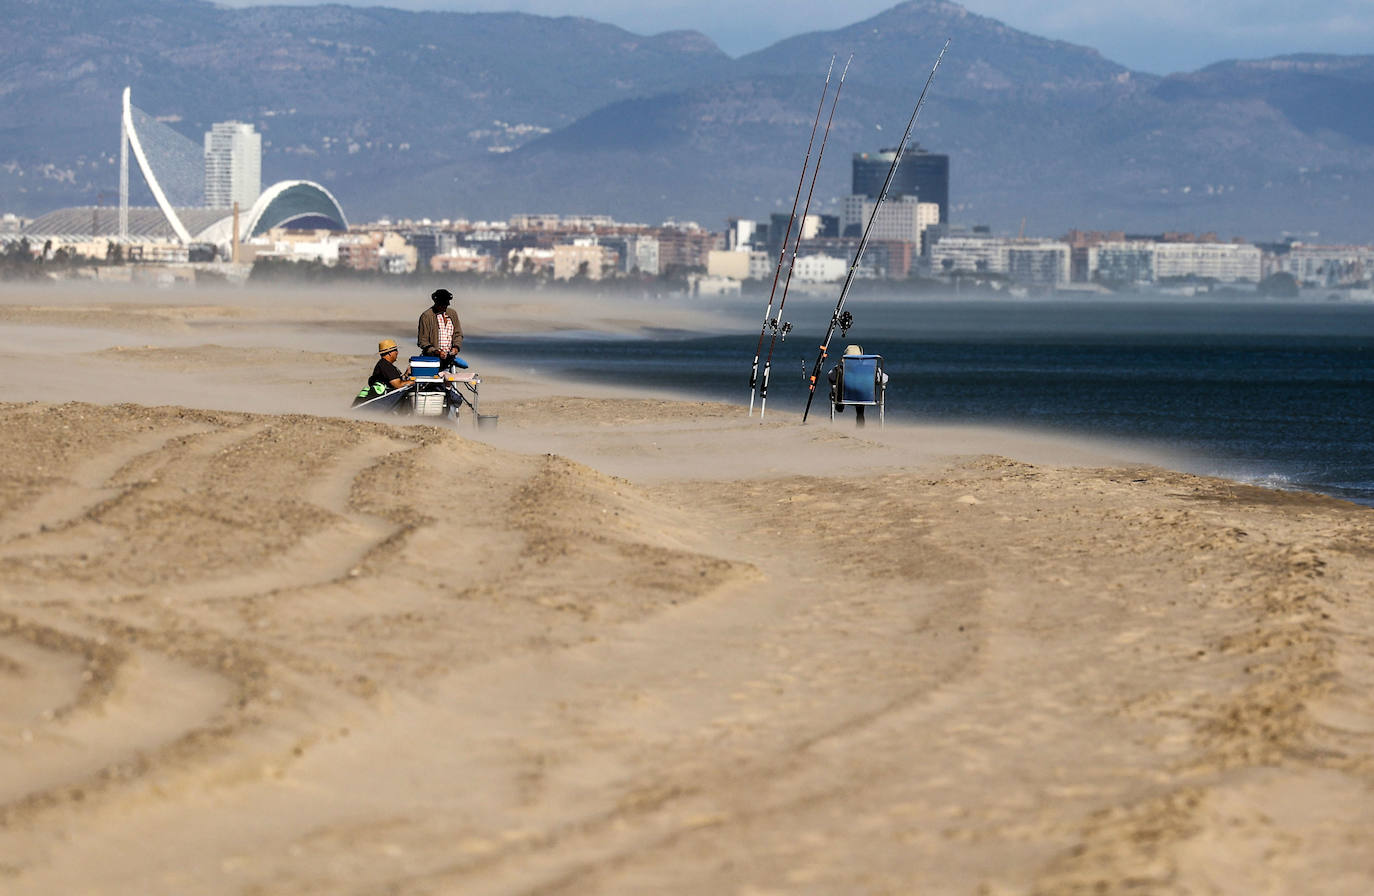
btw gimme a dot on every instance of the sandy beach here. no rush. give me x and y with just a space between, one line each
634 643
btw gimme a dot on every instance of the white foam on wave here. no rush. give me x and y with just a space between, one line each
1261 478
1280 481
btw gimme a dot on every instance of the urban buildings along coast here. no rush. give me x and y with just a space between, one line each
229 220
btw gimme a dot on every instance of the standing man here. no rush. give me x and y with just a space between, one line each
440 335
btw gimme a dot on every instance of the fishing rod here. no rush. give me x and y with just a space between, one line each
768 312
841 318
778 326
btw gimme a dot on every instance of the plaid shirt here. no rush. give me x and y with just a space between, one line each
445 333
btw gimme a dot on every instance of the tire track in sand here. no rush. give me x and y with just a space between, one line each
82 488
95 714
108 697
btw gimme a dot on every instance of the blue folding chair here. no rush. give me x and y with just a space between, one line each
859 380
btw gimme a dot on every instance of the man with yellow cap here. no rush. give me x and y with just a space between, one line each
386 375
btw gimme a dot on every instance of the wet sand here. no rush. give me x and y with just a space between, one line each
630 643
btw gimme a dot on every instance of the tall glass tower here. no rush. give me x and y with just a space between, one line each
233 165
922 174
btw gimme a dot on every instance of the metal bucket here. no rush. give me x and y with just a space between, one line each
487 421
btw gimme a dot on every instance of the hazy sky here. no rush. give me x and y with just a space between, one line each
1159 36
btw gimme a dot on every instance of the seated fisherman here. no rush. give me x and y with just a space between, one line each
385 375
837 399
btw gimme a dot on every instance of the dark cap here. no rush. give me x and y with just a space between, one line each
441 297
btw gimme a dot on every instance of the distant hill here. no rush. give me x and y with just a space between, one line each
1318 94
483 115
343 95
900 45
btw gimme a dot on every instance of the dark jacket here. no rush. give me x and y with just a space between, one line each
428 335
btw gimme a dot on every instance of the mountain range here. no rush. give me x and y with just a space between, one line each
482 115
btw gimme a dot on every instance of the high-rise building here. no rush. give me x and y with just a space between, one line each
922 174
233 165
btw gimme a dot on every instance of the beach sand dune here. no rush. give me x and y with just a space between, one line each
629 644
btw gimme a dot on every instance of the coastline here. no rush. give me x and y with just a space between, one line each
628 642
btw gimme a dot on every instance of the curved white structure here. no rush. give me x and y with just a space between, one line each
293 200
132 141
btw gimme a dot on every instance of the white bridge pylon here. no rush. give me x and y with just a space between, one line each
128 139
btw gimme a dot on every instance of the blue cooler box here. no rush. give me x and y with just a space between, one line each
424 365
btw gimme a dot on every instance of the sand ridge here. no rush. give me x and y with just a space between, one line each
626 644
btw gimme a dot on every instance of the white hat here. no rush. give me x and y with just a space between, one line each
853 350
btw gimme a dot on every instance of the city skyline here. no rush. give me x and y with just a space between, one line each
1036 129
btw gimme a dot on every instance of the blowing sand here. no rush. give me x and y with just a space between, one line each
631 644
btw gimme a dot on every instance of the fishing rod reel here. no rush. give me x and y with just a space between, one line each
781 329
845 321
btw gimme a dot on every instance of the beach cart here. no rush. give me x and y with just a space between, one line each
434 393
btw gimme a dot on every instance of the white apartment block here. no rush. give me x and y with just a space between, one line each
902 218
233 165
319 245
462 259
1326 266
1040 263
1223 262
819 269
642 254
530 260
587 222
980 254
1122 262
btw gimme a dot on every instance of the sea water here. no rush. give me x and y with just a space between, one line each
1275 394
